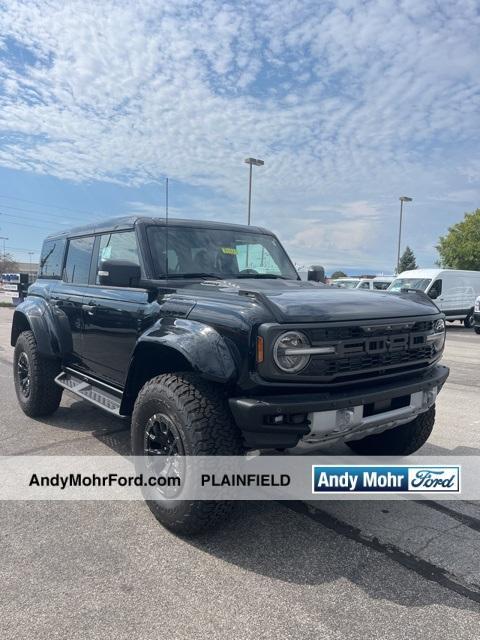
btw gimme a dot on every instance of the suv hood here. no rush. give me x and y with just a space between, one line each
298 301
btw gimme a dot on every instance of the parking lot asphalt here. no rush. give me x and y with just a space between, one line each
360 570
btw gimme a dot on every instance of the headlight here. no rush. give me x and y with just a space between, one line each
438 335
284 351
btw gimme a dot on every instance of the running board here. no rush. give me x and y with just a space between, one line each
86 388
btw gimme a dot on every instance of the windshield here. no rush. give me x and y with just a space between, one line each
410 283
218 253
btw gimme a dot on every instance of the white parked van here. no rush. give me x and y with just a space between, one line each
454 291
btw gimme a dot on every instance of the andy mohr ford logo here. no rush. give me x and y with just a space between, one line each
385 479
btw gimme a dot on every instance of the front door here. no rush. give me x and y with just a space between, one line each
112 316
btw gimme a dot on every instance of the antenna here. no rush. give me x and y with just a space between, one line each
166 225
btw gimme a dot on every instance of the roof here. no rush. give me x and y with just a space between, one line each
128 222
432 273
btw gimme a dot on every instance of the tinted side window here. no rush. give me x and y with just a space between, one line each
79 255
118 246
51 259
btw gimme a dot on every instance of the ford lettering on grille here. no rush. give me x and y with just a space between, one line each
371 350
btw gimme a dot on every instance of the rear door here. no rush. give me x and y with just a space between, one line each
112 316
469 283
68 294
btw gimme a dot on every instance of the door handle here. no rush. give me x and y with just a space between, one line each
89 308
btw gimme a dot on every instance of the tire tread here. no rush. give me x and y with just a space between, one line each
212 431
45 394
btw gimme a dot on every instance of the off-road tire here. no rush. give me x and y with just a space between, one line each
200 413
44 395
401 441
477 330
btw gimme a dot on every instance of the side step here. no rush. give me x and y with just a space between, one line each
90 390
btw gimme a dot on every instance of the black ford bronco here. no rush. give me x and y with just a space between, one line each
204 334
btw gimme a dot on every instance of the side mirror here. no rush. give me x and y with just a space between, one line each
119 273
433 293
316 274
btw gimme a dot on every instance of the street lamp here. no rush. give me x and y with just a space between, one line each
257 163
402 200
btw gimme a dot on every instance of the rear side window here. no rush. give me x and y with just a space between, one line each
79 256
51 259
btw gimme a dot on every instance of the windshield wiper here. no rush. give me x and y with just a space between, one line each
226 276
199 274
270 276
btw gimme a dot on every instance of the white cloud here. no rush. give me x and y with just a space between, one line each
351 104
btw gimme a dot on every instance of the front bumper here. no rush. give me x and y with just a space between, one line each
476 319
402 401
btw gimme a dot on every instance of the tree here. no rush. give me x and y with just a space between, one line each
7 263
338 274
407 261
460 248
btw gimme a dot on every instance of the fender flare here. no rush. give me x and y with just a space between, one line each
201 345
52 337
180 344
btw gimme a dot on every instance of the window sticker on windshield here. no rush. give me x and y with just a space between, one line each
106 252
229 251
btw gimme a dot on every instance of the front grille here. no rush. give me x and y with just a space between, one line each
369 350
336 366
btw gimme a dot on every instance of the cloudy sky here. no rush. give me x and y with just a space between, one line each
351 104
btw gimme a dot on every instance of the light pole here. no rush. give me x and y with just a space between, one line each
4 252
257 163
402 200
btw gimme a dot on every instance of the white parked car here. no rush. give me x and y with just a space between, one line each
454 291
379 283
345 283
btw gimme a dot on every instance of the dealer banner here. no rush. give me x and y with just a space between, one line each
252 477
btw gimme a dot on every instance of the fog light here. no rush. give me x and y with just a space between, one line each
429 397
275 419
298 418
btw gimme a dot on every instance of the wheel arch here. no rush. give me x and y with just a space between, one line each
178 346
34 314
